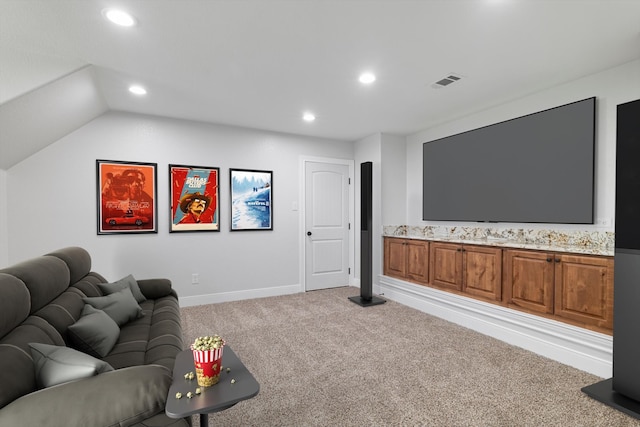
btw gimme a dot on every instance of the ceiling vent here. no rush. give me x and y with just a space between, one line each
446 81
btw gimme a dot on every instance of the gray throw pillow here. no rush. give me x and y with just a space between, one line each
121 306
125 282
56 365
95 333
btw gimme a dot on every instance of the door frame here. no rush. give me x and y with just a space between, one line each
302 214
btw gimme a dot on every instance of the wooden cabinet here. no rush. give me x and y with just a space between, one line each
528 280
445 269
574 288
584 289
471 269
395 257
482 272
418 260
407 259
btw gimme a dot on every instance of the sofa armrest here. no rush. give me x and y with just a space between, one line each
155 288
122 397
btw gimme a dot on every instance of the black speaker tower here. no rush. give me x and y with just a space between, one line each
366 298
622 391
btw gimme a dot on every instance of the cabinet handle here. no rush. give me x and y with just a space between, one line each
548 259
458 250
557 259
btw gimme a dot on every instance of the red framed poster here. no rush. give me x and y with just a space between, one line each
127 194
194 198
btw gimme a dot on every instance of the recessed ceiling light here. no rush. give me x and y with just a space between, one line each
138 90
119 17
308 117
367 78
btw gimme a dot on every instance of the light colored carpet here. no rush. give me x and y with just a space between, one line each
322 360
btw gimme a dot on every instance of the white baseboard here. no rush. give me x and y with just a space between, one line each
577 347
239 295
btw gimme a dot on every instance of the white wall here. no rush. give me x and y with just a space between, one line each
4 247
394 189
51 202
611 87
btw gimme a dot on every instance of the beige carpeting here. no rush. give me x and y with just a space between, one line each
322 360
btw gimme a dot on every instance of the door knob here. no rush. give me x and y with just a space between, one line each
309 233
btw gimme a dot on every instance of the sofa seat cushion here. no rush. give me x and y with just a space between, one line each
165 334
155 338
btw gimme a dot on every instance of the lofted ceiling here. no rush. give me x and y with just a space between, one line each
262 63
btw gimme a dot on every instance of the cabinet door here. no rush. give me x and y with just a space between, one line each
445 269
584 289
395 258
528 280
482 272
418 260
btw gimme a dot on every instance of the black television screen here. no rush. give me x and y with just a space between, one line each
533 169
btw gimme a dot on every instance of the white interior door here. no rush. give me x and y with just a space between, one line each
326 225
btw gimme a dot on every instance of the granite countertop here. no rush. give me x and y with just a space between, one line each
579 242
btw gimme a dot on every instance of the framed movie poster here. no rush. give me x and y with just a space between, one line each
194 198
251 199
127 193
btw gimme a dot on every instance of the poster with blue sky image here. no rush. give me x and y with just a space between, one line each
251 200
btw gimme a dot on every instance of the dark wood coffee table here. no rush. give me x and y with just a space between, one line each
216 398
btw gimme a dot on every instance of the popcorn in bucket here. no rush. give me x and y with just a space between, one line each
207 357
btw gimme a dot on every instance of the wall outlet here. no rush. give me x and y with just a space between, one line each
195 278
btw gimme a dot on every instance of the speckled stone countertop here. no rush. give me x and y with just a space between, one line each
580 242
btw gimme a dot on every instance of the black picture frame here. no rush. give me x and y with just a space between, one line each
194 196
251 197
127 194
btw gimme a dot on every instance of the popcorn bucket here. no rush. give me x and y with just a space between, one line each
207 363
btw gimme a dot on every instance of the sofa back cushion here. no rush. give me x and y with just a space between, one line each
46 277
89 284
63 311
15 303
78 262
77 259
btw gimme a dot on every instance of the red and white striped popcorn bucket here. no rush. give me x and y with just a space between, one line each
208 364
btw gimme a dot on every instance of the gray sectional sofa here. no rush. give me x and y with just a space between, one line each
78 351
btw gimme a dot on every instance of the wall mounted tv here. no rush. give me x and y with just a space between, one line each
537 168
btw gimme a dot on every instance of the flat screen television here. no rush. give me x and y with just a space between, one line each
537 168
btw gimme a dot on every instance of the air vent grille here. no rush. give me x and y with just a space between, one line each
446 81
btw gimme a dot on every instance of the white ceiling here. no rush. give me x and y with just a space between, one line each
261 63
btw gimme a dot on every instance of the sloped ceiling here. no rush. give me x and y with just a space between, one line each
32 121
262 63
